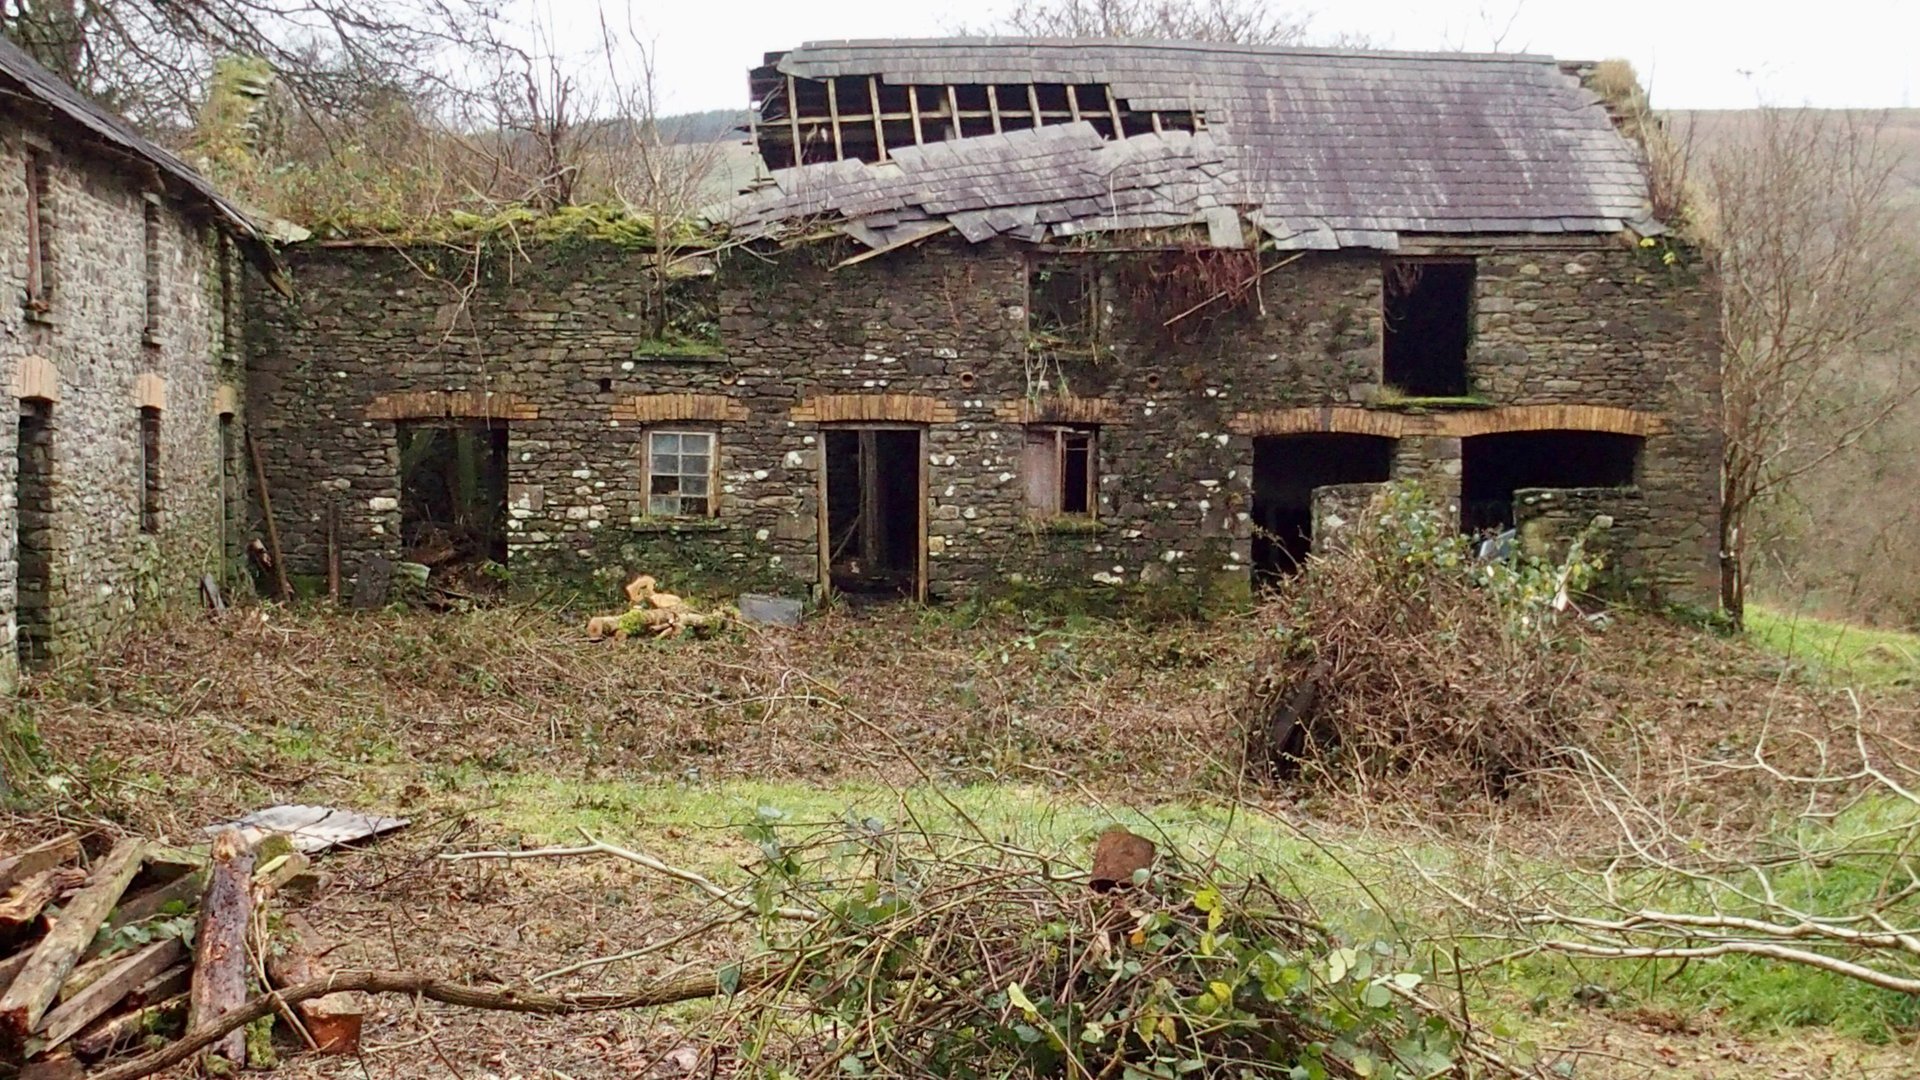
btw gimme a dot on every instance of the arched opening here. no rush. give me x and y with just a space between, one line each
1286 469
1493 467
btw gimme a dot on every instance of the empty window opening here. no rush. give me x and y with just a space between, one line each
680 470
453 492
863 117
152 249
33 532
1428 322
1062 470
1063 306
39 237
1493 467
149 470
1286 470
875 527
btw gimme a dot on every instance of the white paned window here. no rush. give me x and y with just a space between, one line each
679 473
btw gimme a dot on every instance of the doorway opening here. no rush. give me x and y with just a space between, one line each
1286 469
1427 320
875 530
33 533
453 492
1493 467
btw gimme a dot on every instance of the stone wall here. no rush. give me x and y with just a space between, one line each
91 361
551 343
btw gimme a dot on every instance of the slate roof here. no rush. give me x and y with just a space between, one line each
1318 148
21 74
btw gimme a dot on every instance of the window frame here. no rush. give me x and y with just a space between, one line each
152 486
1090 339
1035 439
712 476
39 231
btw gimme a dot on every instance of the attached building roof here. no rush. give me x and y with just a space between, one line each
1317 148
22 75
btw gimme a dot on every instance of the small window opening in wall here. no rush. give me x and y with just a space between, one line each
1427 320
1063 306
606 386
39 234
152 219
680 473
33 526
149 470
453 491
1062 470
1493 467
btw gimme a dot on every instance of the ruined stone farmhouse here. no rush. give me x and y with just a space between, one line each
996 315
1005 312
118 335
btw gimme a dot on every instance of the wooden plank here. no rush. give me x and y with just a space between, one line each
793 118
993 106
29 898
1073 101
109 1035
220 943
833 115
34 989
106 992
913 108
953 110
1033 103
45 856
879 128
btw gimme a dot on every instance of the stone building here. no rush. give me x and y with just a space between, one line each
999 312
117 333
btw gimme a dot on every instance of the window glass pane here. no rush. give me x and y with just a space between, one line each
693 485
693 464
693 507
663 506
696 443
666 463
666 442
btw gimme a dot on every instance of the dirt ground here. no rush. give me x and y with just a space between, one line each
505 728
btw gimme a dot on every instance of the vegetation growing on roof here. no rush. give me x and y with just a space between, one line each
604 223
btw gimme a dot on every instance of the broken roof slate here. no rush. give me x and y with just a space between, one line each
1319 147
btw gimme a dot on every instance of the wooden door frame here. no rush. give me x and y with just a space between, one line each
821 523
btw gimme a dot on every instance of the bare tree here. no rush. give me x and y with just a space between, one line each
1802 211
1251 22
150 59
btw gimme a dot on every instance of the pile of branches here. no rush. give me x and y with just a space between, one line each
1402 662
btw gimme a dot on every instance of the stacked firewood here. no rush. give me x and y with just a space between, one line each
656 613
136 945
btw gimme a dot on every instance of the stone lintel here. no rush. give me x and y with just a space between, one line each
874 408
451 404
663 408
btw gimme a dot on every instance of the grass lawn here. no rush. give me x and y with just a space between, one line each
1837 651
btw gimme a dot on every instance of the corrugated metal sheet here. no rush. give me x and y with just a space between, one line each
1318 148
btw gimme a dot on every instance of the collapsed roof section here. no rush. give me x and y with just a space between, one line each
1043 139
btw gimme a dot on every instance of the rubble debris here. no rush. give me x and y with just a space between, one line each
312 829
56 852
37 985
658 613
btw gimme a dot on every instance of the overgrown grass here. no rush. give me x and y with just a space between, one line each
1837 651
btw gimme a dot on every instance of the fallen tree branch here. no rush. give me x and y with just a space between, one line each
641 858
690 987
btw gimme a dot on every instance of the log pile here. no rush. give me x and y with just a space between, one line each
658 614
131 947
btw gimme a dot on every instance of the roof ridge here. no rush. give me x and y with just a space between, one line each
1174 44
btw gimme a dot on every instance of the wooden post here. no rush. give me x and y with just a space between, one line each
913 109
833 115
879 128
793 117
266 514
220 942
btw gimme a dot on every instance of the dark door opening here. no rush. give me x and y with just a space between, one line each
453 492
874 523
1286 469
1493 467
1427 320
33 532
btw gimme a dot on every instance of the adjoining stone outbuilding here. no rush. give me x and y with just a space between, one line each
1085 314
119 326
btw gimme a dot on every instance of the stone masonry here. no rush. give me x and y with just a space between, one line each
85 364
1574 333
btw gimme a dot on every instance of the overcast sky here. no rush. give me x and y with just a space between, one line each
1693 53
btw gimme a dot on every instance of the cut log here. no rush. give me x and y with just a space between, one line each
113 1033
332 1020
220 943
56 852
11 966
106 992
38 983
25 902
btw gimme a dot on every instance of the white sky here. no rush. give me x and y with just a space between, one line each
1692 53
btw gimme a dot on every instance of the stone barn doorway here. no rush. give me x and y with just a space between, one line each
1286 469
873 508
33 531
1493 467
453 491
